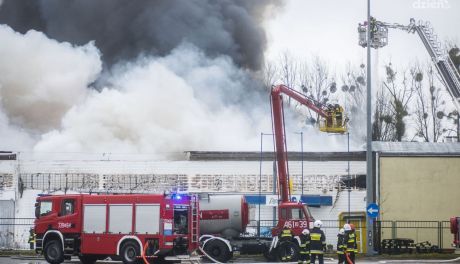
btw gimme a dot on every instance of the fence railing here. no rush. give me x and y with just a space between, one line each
15 231
17 221
436 232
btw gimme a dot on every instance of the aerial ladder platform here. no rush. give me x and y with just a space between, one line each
439 55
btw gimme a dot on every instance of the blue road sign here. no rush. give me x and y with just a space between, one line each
373 210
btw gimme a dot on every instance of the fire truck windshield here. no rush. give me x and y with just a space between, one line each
43 208
307 210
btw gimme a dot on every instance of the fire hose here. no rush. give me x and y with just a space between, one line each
144 257
348 258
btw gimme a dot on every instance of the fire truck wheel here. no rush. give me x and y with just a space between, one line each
129 252
53 252
218 250
88 259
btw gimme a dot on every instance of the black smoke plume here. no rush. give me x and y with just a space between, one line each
124 29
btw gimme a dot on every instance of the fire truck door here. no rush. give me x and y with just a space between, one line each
181 215
67 220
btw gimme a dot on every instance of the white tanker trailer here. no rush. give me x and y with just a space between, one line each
223 218
226 215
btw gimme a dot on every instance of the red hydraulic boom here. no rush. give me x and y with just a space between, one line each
333 122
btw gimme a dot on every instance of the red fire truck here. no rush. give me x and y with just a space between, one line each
455 230
96 226
127 226
131 226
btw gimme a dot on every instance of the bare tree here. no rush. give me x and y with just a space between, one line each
400 95
269 74
316 82
429 107
288 71
383 128
353 89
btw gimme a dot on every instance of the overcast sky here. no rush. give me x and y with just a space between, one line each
328 28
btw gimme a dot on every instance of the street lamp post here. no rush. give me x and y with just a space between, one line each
260 180
260 177
369 174
301 154
348 169
301 158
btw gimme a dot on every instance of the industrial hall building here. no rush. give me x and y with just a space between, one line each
413 182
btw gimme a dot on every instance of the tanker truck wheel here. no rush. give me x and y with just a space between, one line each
53 252
288 251
270 256
218 250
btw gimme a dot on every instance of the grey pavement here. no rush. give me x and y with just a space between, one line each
15 260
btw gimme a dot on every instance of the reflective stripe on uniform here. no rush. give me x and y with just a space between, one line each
315 236
351 238
316 252
286 233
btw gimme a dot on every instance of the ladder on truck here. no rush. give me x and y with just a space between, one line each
195 222
440 57
194 235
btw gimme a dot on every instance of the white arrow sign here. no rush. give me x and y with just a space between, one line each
372 210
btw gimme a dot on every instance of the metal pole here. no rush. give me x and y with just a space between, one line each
301 153
369 179
275 177
349 178
260 181
458 127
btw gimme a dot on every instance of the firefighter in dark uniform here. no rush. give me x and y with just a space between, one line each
338 116
304 247
350 241
373 27
341 246
31 240
318 242
285 249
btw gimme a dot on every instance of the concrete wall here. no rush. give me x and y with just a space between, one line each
419 189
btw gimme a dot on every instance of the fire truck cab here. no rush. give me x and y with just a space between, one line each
294 216
93 226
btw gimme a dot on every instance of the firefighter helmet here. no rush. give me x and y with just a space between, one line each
341 231
352 226
347 227
305 232
318 224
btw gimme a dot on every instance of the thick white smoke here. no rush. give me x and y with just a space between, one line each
41 79
183 101
162 105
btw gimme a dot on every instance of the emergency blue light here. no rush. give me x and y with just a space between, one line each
178 197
